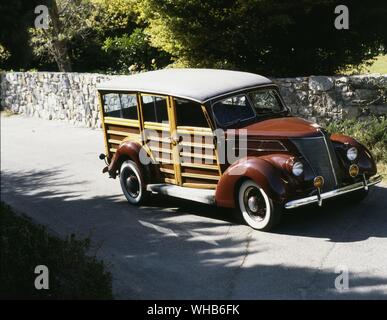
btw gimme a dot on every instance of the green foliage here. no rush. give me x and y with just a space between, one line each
133 52
73 273
4 54
371 132
272 37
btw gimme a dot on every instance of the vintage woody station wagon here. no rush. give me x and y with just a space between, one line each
224 138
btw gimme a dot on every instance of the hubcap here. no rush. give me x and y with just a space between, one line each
254 203
132 184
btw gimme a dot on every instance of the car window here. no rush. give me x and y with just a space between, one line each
232 111
265 101
120 105
112 105
189 113
154 109
129 106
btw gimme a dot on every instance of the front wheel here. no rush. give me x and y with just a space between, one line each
257 209
132 183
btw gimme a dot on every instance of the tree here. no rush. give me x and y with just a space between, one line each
68 19
16 16
273 37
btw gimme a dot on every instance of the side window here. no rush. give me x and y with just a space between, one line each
154 109
129 106
189 113
233 110
120 105
112 105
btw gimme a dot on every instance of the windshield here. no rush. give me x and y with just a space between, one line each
246 107
265 101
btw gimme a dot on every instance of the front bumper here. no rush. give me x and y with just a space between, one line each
334 193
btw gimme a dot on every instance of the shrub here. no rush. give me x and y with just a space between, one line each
371 132
73 272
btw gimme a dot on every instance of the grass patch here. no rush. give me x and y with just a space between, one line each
376 65
73 272
371 132
6 113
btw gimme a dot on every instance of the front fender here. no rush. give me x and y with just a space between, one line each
258 169
365 160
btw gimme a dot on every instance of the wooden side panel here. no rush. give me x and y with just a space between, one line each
198 158
118 130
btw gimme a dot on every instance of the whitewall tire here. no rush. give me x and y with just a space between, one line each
132 184
256 208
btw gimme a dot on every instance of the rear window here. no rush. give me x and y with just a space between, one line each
120 105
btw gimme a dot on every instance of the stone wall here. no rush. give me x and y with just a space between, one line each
72 96
321 98
53 95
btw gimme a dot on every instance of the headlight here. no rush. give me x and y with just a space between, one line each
352 153
298 169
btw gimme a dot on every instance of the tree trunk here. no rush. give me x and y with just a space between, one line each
61 54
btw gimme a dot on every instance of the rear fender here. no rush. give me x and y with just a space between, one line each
127 150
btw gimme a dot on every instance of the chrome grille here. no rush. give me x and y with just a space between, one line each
319 153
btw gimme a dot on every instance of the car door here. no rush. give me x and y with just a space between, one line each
158 133
196 149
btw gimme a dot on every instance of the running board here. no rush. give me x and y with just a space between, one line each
199 195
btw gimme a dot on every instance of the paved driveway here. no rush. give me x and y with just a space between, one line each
177 249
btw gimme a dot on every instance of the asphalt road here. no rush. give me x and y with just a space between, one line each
175 249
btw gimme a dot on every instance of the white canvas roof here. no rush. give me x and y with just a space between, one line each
199 85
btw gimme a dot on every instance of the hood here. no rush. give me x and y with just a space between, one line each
287 127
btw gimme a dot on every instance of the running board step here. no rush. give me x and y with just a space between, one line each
199 195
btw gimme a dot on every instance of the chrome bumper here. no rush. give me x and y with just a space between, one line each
334 193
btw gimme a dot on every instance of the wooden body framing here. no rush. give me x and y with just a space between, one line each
185 156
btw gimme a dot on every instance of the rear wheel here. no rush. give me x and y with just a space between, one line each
132 183
256 208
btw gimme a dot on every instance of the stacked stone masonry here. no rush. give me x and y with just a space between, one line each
72 97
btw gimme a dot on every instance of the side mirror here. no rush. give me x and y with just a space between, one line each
102 156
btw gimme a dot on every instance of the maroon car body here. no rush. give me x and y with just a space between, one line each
198 117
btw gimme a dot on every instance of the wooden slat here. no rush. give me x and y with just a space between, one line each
113 150
197 145
200 176
158 149
156 126
199 165
196 155
196 133
161 160
159 139
122 122
167 180
123 133
170 171
115 141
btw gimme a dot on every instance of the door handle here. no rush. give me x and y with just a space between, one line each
176 140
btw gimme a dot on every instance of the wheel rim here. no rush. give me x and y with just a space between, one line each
254 203
132 184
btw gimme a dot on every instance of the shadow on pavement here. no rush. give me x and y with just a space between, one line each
162 252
